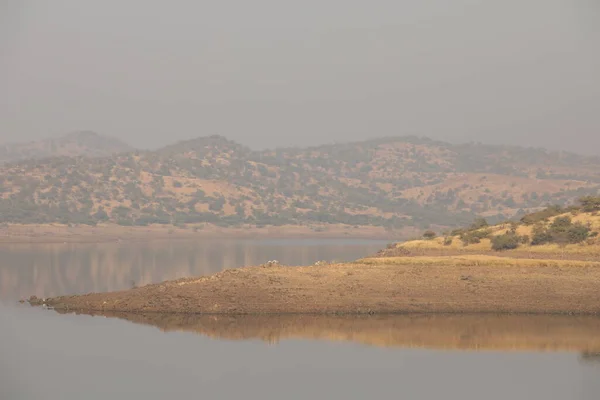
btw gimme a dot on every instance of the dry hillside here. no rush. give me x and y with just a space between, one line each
571 233
392 182
83 143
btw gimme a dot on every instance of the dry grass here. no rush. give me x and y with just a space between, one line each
436 246
476 260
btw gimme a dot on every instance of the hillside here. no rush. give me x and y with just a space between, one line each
555 232
84 143
391 182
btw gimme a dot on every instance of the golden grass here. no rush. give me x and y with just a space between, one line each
438 244
585 218
475 260
572 249
589 248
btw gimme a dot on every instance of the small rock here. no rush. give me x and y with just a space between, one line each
271 263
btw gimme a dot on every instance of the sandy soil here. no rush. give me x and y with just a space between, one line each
109 233
439 331
400 286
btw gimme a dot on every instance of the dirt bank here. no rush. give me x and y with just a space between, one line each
110 233
437 331
450 286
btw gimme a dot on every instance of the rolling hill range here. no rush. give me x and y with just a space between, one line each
391 182
82 143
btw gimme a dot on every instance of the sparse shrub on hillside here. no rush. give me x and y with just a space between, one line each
561 224
429 235
474 237
125 222
562 231
507 241
457 232
479 223
100 215
540 236
542 215
448 241
217 204
590 203
578 233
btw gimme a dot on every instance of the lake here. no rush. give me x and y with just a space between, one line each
47 355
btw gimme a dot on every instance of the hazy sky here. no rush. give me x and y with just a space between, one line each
274 72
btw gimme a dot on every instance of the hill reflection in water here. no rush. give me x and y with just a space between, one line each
48 270
465 332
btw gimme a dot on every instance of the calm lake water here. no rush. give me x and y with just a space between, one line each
46 355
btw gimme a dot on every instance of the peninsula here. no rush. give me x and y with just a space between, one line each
548 263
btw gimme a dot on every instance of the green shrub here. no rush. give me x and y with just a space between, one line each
429 235
542 215
473 237
561 224
479 223
578 233
561 231
457 232
508 241
541 237
590 203
448 241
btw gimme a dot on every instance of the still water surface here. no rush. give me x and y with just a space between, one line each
46 355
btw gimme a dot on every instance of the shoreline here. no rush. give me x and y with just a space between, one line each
452 285
29 234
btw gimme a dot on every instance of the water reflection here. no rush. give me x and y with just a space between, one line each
47 270
466 332
593 357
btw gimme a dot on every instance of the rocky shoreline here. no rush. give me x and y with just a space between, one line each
362 288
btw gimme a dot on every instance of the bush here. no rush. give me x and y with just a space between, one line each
457 232
541 237
448 241
561 231
508 241
578 233
479 223
561 224
541 216
472 237
429 235
590 203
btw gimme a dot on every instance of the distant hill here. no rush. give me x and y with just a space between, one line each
83 143
391 182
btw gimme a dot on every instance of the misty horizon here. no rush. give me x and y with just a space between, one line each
521 73
315 145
